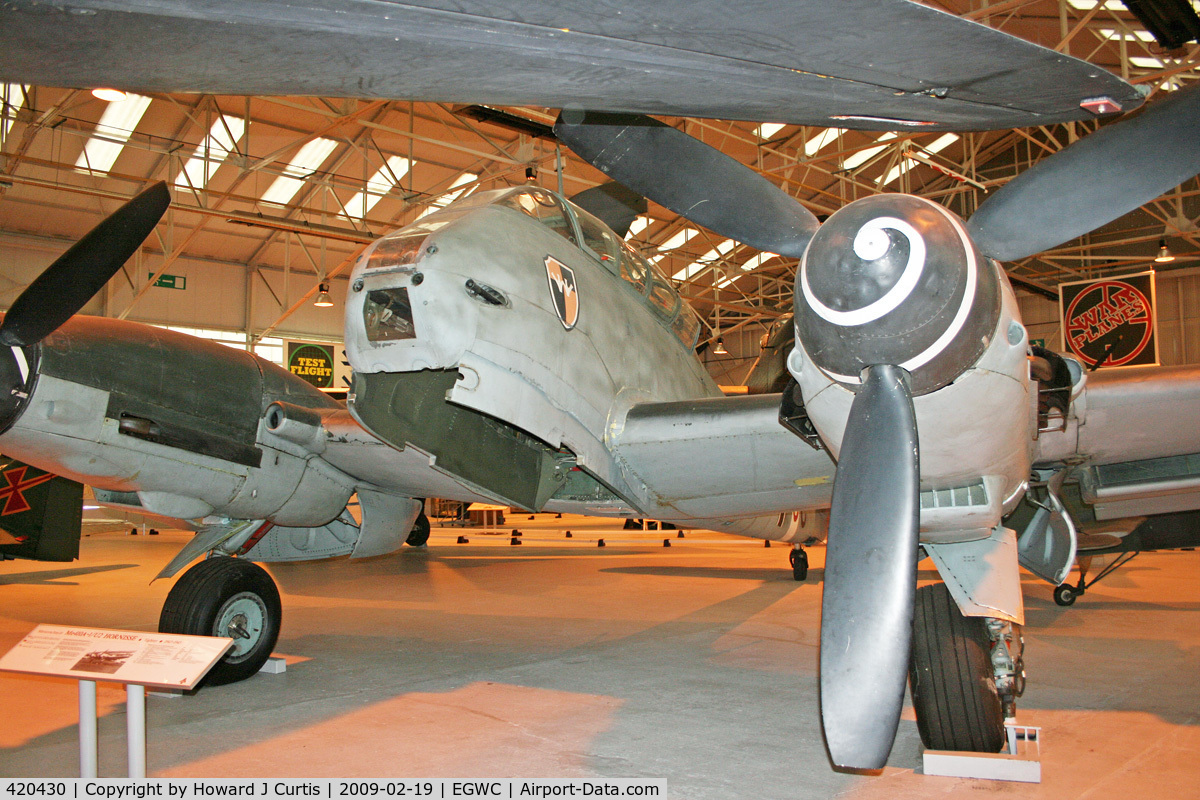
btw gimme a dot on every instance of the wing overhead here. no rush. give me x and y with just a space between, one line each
720 458
851 63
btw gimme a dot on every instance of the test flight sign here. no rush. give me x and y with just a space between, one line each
1111 321
324 365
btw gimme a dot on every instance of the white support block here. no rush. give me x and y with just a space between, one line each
1022 764
275 665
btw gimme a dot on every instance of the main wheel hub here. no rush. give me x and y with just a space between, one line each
241 618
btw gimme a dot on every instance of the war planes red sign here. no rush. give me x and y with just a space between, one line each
1110 322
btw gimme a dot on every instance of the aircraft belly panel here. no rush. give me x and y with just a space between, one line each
786 526
748 504
797 62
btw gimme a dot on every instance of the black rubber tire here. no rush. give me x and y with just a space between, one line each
419 534
1065 595
799 559
950 675
196 602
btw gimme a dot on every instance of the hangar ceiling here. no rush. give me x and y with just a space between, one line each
297 185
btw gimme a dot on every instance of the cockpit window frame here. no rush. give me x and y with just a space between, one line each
574 237
652 275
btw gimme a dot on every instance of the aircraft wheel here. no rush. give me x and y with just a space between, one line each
953 687
420 532
799 561
227 597
1064 595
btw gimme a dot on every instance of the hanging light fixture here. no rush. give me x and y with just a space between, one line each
323 299
720 350
108 95
1164 255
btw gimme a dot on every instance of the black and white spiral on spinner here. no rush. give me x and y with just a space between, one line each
895 279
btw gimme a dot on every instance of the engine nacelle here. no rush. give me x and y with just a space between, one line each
895 279
182 421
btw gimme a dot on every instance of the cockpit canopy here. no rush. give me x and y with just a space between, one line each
575 225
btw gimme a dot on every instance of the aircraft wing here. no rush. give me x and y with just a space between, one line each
720 458
855 63
1131 414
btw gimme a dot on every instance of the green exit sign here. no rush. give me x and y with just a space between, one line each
169 281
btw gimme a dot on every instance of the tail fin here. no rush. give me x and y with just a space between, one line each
40 513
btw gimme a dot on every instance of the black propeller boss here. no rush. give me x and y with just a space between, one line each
895 279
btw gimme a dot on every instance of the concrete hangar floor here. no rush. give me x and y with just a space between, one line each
560 659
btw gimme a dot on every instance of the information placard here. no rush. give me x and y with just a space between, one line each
160 660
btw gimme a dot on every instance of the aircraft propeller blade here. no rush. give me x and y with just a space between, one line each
1094 181
690 178
613 203
74 278
870 572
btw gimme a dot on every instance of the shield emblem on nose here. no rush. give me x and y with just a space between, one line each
563 291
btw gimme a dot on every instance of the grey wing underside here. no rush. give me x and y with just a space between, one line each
1130 414
720 459
802 62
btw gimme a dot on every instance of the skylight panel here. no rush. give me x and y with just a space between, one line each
12 97
895 172
862 156
639 224
378 185
818 142
758 261
1145 62
1132 36
224 135
678 240
116 125
706 260
311 156
452 195
1088 5
769 129
941 143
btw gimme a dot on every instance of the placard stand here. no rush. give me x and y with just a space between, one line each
88 720
134 658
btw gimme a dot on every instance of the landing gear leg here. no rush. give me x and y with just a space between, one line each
799 560
955 692
231 597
